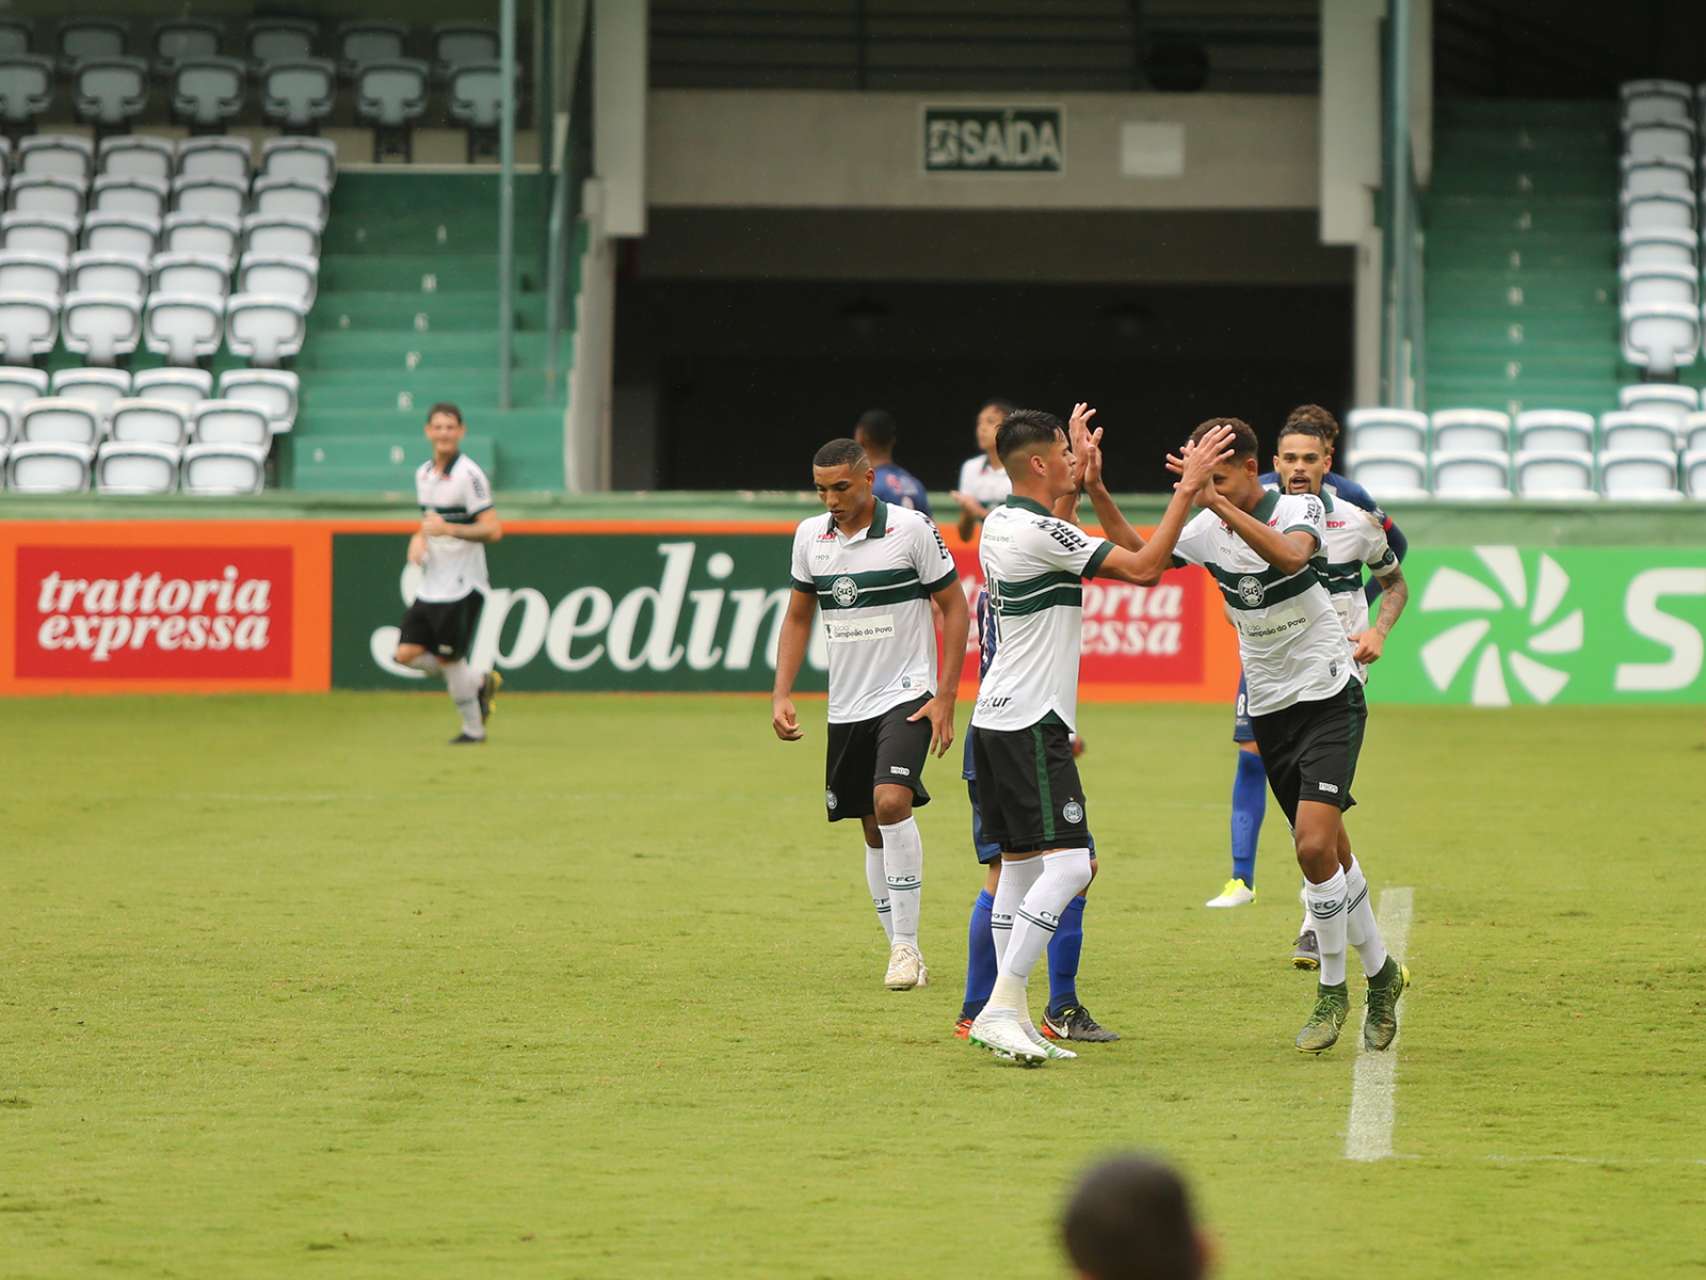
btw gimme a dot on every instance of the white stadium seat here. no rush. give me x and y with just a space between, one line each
456 44
1639 475
136 420
99 389
184 38
60 154
18 385
1628 429
210 197
33 233
1472 475
1666 400
264 330
230 422
201 233
279 39
1657 177
1659 248
183 388
393 93
1693 428
182 327
207 92
5 428
1672 139
5 453
215 157
360 43
1659 286
273 391
48 195
1397 475
80 39
223 470
1660 339
277 234
58 421
133 196
139 468
1563 474
26 88
121 233
121 273
1659 211
198 274
1471 429
310 160
1694 472
101 327
284 277
134 156
29 326
110 92
286 197
1385 430
49 468
39 273
1555 429
298 93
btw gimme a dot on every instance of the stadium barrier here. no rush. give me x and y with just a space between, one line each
624 605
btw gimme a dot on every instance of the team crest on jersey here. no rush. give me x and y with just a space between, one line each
1073 812
844 591
1251 591
830 800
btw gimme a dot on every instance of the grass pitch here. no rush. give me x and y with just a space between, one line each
290 987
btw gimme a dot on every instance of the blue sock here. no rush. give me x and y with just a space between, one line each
1063 952
1249 804
980 957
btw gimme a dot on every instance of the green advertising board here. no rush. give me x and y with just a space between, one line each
1500 626
586 611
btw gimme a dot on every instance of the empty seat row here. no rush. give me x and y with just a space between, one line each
140 236
177 271
202 469
1659 203
313 161
1656 419
57 420
273 392
1484 475
183 328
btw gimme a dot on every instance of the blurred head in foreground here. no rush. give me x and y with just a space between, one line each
1130 1219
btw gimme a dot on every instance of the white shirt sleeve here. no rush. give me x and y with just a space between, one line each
930 556
479 489
1303 511
1064 546
1377 551
1192 546
800 571
969 472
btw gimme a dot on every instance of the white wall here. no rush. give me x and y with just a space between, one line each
756 148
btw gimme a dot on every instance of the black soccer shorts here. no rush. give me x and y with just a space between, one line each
1028 794
444 628
865 753
1310 749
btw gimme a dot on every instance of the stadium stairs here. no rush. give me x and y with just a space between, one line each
1521 287
407 315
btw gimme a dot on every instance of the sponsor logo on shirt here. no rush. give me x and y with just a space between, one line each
1328 787
899 771
881 627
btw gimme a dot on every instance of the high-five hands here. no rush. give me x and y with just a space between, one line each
1195 462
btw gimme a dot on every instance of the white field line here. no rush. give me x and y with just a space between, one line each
1375 1084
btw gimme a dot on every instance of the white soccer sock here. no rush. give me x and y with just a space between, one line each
1360 928
1065 874
1016 881
1303 897
903 867
464 684
426 662
1327 917
879 887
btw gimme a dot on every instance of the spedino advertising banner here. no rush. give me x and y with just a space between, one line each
1508 626
700 609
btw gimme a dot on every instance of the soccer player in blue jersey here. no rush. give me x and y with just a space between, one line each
1249 785
895 485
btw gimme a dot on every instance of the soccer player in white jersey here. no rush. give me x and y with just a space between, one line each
983 480
1029 796
1267 552
1355 538
873 569
457 522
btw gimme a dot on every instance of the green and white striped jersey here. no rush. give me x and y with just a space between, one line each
1033 568
1289 635
1354 539
874 592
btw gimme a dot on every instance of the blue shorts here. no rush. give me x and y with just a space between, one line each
988 851
1242 729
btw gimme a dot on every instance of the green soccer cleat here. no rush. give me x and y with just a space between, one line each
1306 951
489 687
1380 1023
1321 1032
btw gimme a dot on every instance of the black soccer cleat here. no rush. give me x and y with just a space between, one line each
1073 1022
464 739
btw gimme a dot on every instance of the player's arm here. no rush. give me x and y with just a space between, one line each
1394 596
1115 526
950 600
1287 550
484 528
417 547
1194 464
790 653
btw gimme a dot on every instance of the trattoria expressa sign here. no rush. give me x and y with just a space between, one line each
153 612
994 140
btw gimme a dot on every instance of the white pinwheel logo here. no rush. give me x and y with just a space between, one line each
1453 591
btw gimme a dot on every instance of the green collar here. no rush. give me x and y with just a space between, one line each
1025 504
879 521
1265 507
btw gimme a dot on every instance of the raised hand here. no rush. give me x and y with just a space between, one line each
1093 460
1195 462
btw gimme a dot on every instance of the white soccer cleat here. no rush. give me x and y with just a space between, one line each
1049 1047
1235 894
906 968
1003 1034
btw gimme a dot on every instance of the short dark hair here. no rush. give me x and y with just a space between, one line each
1295 426
879 427
1313 415
1024 428
1004 407
1243 435
444 406
840 452
1130 1219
